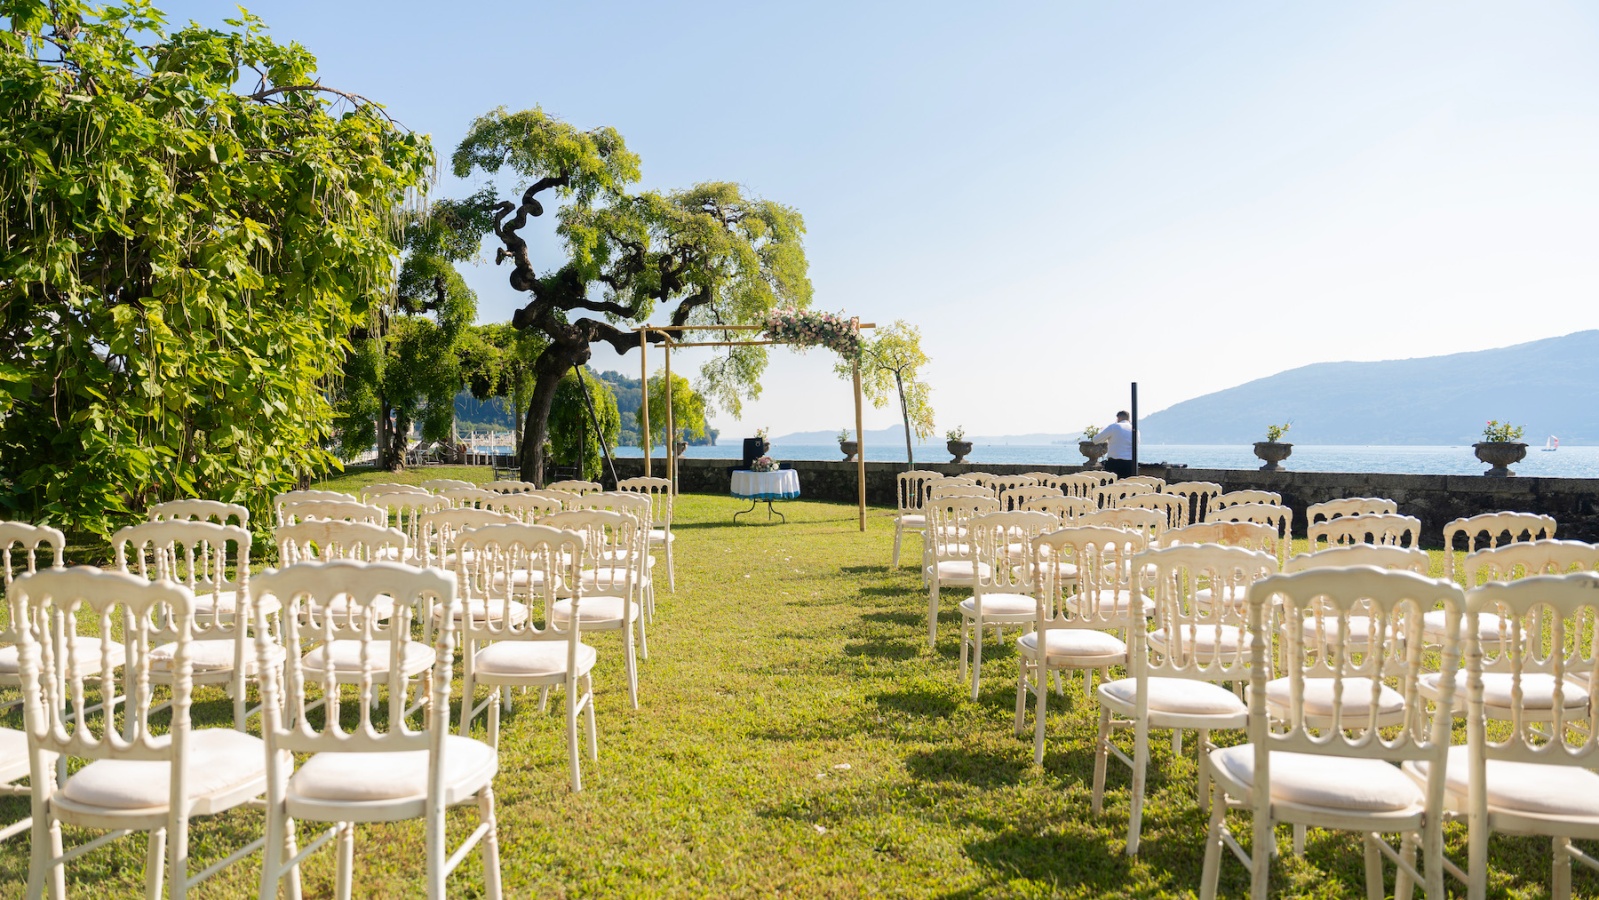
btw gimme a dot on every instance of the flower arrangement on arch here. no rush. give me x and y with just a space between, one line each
1499 432
764 464
806 328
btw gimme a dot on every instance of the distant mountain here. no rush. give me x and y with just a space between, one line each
1549 386
894 434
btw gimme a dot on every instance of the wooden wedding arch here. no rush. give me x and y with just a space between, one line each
670 337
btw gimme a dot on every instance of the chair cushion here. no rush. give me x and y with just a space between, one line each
1319 698
530 658
1236 597
594 610
1535 788
1330 782
1181 696
1002 605
340 607
1075 645
484 610
1360 629
1488 624
210 656
1537 690
346 657
912 520
220 759
88 658
960 570
661 536
1108 603
372 777
1206 639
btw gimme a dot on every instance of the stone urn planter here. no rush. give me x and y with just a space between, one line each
849 449
1093 450
1501 455
682 447
959 449
1273 452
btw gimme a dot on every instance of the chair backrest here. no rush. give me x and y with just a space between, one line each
1349 506
131 615
406 511
526 507
378 604
636 505
1174 506
20 546
1370 528
576 486
565 498
1279 517
439 530
1080 484
511 486
1395 601
1237 498
1382 556
1193 633
380 488
532 564
211 560
346 510
946 524
325 539
1199 494
982 478
469 497
1150 523
939 490
1549 627
910 488
1493 529
1109 496
1014 498
303 496
1526 558
1152 481
445 484
1064 509
1100 476
659 490
1101 591
193 510
1248 535
1002 483
994 535
609 539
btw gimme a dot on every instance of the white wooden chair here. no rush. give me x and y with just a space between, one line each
1175 669
1075 610
440 529
523 565
641 509
952 487
1340 773
435 485
1111 495
1003 591
1349 506
1016 498
1079 484
610 591
1152 481
1175 506
526 507
1150 523
294 511
324 540
949 558
1199 494
1369 528
405 513
21 546
1488 530
576 486
1064 509
382 769
134 780
510 486
469 497
382 488
999 484
659 490
1249 535
1099 476
190 510
1278 517
1535 774
307 495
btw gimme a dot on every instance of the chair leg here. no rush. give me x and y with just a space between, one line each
1261 850
468 688
155 858
1135 815
898 532
1038 724
1203 759
643 639
588 692
178 856
977 660
490 845
932 612
966 634
671 569
1403 883
1299 840
1213 846
1374 876
1101 754
494 715
1560 882
572 750
1021 693
631 665
544 697
346 861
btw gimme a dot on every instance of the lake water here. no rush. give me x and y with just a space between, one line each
1567 462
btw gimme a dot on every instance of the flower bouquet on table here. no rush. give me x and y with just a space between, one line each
764 464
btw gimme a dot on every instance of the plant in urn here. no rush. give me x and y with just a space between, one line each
1271 449
1500 448
957 444
1091 449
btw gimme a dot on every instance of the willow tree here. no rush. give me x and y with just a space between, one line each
891 361
191 225
705 256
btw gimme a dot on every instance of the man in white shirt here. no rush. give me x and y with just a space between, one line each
1118 437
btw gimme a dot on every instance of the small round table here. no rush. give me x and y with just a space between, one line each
768 486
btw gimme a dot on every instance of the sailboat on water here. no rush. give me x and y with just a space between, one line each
1552 444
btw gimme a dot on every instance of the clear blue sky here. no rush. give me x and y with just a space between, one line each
1066 197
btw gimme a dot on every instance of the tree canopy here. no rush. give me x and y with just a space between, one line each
573 438
688 410
709 254
891 361
191 227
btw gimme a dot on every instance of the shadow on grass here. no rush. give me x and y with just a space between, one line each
883 649
978 768
921 700
894 618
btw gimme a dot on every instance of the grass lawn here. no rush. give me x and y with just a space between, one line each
798 737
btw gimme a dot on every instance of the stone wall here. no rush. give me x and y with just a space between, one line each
1434 499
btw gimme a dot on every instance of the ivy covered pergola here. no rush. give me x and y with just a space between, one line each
790 327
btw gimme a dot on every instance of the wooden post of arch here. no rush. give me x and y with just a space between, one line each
860 435
671 424
644 407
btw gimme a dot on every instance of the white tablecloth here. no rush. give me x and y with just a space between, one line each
780 485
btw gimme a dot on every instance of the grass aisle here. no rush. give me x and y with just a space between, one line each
797 737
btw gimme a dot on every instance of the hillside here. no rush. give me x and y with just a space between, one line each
1550 386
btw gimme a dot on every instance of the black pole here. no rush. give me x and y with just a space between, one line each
598 432
1135 428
